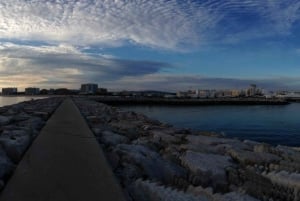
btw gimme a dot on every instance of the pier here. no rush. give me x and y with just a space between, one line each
65 162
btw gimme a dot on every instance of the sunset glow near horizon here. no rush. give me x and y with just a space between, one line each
150 45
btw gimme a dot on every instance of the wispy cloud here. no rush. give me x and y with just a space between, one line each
253 19
160 23
168 24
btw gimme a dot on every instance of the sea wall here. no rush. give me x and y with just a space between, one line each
19 125
155 161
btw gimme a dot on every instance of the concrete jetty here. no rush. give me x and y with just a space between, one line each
64 163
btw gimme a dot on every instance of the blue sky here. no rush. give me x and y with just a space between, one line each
160 45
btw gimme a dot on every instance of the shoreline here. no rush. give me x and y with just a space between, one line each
177 101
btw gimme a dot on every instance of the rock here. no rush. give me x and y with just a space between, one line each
4 120
251 158
164 138
111 139
43 115
20 117
15 143
150 162
126 128
6 165
203 148
129 173
148 191
261 148
33 122
210 169
283 178
199 190
209 140
234 196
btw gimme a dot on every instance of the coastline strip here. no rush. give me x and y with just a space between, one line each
65 162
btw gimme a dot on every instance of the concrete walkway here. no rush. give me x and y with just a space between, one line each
64 163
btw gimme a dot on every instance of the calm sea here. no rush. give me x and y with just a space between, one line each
278 124
8 100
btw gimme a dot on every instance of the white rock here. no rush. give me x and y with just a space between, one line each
209 168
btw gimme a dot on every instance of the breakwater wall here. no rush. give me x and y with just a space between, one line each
111 100
155 161
19 125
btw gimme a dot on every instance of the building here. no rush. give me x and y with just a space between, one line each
89 88
235 93
102 91
251 90
9 91
32 91
203 93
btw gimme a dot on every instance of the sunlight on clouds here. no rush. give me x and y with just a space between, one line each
21 81
65 66
69 71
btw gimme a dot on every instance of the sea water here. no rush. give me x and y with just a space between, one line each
274 124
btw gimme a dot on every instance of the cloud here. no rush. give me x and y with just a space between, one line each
255 19
171 82
160 23
167 24
66 66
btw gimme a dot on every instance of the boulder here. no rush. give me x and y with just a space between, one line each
251 158
4 120
150 162
15 144
164 138
20 117
33 122
149 191
111 139
209 169
210 140
234 196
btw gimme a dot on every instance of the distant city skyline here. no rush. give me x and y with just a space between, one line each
150 45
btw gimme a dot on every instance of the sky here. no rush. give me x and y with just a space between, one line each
166 45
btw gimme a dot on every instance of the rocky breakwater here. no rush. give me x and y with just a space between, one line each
155 161
19 125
